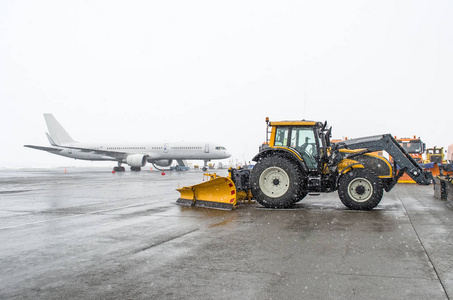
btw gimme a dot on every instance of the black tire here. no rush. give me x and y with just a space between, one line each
276 182
360 189
301 196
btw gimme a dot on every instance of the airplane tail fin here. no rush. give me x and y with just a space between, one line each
57 134
51 141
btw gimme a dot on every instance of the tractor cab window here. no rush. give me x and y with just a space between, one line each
304 141
281 136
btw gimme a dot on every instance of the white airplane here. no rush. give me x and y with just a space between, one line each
136 155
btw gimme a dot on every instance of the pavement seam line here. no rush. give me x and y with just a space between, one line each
423 247
165 241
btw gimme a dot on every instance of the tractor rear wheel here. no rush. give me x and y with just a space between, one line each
276 182
360 189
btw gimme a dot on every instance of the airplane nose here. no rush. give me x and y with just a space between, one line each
227 154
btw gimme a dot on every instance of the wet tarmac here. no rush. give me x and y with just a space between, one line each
91 234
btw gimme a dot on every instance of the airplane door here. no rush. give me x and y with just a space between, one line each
206 148
165 148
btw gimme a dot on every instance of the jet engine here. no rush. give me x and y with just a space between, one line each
163 162
136 160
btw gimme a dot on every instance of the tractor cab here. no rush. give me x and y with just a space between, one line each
306 139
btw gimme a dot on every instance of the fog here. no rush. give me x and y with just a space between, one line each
212 71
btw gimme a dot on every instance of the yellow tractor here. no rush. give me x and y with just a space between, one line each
298 159
435 155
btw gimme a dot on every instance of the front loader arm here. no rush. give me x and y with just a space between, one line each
391 146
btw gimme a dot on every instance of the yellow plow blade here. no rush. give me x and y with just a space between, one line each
219 193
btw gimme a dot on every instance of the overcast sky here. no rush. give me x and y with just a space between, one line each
213 70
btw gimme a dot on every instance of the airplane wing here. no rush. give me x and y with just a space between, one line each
48 149
114 154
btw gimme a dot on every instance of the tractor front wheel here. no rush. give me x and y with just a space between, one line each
360 189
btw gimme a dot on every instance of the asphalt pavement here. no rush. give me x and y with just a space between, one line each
86 233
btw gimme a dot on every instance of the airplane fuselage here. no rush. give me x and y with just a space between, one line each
153 151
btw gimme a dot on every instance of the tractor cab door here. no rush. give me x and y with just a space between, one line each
304 141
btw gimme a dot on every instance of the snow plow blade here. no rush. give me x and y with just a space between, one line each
218 193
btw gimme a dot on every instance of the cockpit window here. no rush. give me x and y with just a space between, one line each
220 148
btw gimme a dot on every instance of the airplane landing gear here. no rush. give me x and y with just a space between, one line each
136 169
119 168
205 167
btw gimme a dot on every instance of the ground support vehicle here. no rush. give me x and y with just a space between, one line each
435 155
415 148
435 162
298 159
